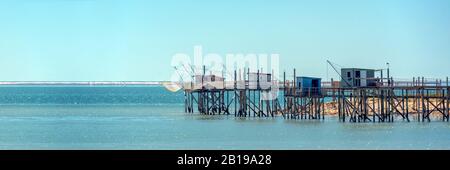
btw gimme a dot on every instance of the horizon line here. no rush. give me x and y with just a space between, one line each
82 82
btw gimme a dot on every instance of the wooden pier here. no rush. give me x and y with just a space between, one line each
240 97
243 96
385 104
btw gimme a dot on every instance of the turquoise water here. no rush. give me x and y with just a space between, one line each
39 117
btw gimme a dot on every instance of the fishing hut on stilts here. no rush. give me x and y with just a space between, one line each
359 96
247 94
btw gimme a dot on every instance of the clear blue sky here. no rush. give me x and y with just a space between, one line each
92 40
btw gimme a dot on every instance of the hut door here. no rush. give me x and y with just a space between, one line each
315 84
363 78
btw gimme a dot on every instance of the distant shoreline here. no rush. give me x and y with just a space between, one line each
88 83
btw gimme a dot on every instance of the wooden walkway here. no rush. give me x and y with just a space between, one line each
243 98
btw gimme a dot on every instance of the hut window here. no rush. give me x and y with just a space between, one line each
357 74
348 74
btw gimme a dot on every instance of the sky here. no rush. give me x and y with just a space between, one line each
135 40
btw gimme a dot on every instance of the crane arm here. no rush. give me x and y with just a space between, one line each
334 68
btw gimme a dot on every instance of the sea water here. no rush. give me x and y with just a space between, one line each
150 117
